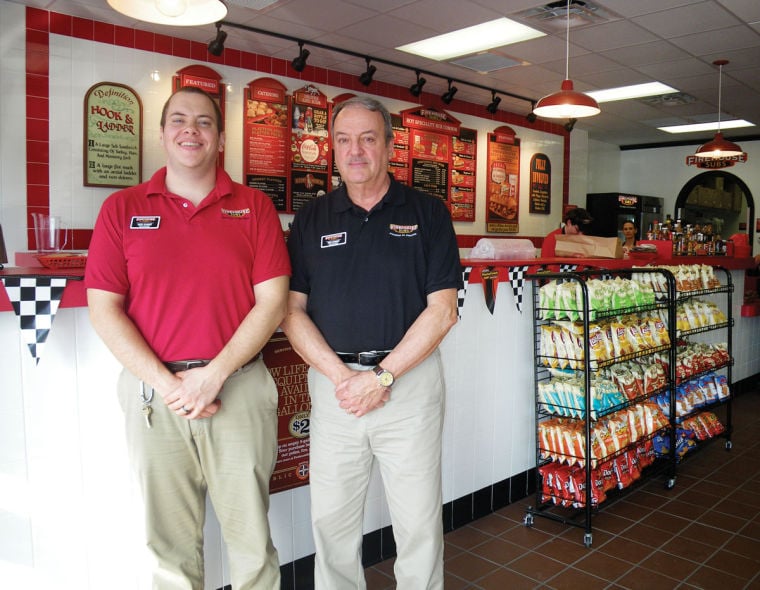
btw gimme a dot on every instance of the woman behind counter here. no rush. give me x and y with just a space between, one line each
629 234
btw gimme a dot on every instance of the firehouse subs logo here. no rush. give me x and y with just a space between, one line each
236 213
331 240
405 231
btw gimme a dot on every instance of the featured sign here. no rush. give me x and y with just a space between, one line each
112 136
310 153
289 372
713 163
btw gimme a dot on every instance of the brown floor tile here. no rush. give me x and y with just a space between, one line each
516 510
493 524
450 550
744 546
722 521
610 522
603 565
748 497
688 548
630 510
500 551
706 534
648 535
751 530
714 488
466 537
663 521
738 509
669 565
573 579
378 581
536 566
529 537
644 498
640 578
684 509
504 578
469 566
626 549
564 550
712 579
738 565
451 582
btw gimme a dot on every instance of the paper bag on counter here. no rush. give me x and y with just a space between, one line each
588 247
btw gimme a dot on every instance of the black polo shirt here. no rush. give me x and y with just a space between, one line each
367 274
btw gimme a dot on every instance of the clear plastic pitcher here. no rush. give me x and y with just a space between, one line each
49 233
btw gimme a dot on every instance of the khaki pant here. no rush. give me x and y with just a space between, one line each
231 456
404 437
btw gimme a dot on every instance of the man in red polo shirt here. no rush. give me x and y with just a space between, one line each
187 278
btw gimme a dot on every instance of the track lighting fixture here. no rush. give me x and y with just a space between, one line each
299 62
216 46
366 77
493 106
570 125
448 96
416 88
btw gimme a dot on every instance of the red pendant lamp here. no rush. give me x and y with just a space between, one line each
567 103
719 147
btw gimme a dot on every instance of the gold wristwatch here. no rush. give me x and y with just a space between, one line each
384 377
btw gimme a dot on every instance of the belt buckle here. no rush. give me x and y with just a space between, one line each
367 358
193 364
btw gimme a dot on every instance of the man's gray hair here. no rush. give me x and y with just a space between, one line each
370 104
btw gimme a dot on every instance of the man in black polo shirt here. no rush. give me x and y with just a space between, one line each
375 278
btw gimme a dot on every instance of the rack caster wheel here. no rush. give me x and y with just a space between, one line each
587 540
528 520
670 484
728 445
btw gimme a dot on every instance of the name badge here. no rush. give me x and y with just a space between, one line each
145 222
331 240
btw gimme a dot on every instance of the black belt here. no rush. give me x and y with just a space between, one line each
177 366
367 359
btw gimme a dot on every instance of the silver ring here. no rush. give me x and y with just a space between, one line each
184 409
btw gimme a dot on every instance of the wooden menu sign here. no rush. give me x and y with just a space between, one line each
540 191
503 194
266 140
112 136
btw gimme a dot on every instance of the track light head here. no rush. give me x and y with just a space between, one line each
448 96
570 125
366 77
216 46
416 88
299 62
493 106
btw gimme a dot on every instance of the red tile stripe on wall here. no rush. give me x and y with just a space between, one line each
40 23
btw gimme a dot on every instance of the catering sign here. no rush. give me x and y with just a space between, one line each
265 139
112 136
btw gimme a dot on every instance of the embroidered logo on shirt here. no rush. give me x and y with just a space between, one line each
405 231
236 213
145 222
331 240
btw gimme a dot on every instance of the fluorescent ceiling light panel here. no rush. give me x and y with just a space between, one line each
634 91
714 126
482 37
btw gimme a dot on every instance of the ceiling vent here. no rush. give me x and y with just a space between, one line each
554 15
487 61
674 99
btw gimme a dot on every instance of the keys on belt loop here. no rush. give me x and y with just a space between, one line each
146 398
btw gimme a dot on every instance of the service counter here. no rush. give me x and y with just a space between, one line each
70 515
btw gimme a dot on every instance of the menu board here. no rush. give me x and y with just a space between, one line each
463 167
398 165
113 136
265 139
310 154
540 191
503 195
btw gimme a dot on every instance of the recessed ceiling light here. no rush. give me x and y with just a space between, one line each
482 37
711 126
633 91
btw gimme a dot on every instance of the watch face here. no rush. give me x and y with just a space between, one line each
384 377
